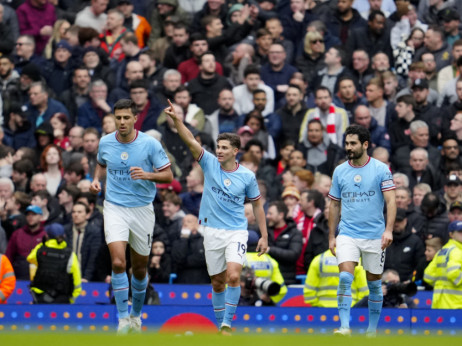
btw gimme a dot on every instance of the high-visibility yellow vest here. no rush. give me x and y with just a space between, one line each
323 278
445 275
266 267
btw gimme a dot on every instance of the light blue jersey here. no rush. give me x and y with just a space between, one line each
222 204
360 190
145 152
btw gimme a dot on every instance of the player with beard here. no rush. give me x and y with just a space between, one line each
359 188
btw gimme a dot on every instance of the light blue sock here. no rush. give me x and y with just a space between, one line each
375 304
120 290
344 298
218 302
138 294
231 300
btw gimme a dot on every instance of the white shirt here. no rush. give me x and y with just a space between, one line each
86 18
243 99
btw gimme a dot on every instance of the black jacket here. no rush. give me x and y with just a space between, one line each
290 123
204 92
188 257
406 255
436 226
286 249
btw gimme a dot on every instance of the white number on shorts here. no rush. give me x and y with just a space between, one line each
241 247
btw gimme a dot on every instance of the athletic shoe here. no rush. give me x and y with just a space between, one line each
371 334
225 330
342 332
135 324
124 326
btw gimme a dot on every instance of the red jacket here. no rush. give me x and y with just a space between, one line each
189 69
113 49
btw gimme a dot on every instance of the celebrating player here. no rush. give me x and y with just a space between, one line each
360 186
221 217
133 162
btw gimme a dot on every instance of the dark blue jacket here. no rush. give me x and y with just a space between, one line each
334 23
87 116
275 78
58 78
150 121
379 135
23 137
54 106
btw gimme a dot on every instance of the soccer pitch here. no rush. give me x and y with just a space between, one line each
57 339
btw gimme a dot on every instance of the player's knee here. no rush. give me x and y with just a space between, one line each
234 279
139 273
118 265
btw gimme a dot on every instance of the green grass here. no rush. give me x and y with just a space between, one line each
99 339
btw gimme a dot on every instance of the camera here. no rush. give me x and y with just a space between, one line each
266 286
409 289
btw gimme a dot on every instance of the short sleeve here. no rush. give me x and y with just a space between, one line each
253 192
160 158
99 156
204 159
334 192
386 183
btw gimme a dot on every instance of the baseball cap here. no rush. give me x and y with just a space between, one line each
291 191
455 226
400 214
64 44
34 209
244 129
54 230
448 14
173 186
31 71
455 205
420 83
453 180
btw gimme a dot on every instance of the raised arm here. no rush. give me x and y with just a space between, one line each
334 218
184 132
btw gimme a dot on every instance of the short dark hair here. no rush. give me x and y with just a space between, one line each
72 191
251 69
350 78
255 142
204 54
258 91
77 168
315 121
233 139
8 57
87 208
24 166
140 83
363 134
280 206
374 14
43 194
126 104
321 88
91 198
197 36
180 89
341 53
130 37
407 99
315 196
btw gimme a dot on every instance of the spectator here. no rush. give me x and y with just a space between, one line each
93 16
50 207
14 217
225 118
443 272
361 68
92 61
91 113
323 155
36 18
417 71
285 241
381 110
85 239
57 279
379 135
296 21
450 72
160 265
134 22
7 34
148 108
173 214
190 68
23 240
164 9
449 93
206 87
390 86
435 43
52 167
419 192
406 254
179 50
188 254
311 60
112 35
373 38
399 129
321 283
91 138
9 80
191 199
41 106
292 114
171 81
450 20
67 196
25 54
274 26
131 51
455 212
433 218
18 130
450 157
153 70
78 93
211 7
349 96
344 19
432 246
263 42
333 118
243 94
8 279
452 190
430 69
276 73
58 71
160 46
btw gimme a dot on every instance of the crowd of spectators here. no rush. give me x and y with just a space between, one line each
288 76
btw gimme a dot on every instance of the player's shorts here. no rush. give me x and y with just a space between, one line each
222 246
370 250
134 225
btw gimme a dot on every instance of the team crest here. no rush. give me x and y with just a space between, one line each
227 182
124 156
357 178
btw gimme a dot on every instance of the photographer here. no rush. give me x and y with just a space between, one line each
395 293
261 281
